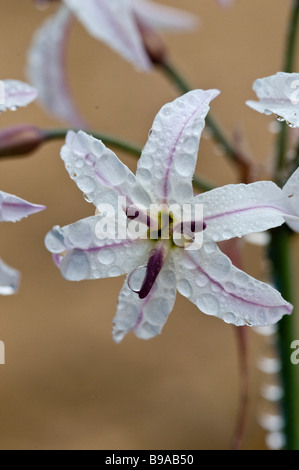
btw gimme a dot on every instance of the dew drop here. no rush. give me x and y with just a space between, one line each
77 267
87 198
229 317
106 256
184 164
156 311
136 278
201 279
86 184
111 168
208 304
184 288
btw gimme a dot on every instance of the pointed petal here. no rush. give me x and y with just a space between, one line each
209 280
47 68
81 254
13 208
278 94
9 279
168 160
14 94
113 22
291 189
237 209
99 173
163 17
146 317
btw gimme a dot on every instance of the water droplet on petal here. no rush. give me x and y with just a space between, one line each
136 278
106 256
184 287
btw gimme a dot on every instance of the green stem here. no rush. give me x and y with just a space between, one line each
120 144
281 257
290 54
218 134
289 65
199 183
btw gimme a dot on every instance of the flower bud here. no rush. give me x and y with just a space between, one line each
20 140
153 43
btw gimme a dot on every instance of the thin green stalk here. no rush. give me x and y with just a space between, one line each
281 257
288 66
218 134
120 144
199 183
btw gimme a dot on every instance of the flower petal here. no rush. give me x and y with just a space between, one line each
168 160
291 189
146 317
113 22
225 3
163 17
209 280
13 208
237 209
81 254
14 94
99 173
278 94
9 279
47 68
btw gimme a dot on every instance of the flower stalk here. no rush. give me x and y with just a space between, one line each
281 258
238 158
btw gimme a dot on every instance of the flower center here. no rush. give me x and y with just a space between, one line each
167 225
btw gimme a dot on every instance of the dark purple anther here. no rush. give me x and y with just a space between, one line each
193 225
153 268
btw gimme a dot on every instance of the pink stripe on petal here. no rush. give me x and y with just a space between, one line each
169 157
13 208
238 209
14 94
208 278
81 253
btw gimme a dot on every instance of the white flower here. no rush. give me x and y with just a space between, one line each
13 94
118 23
278 94
158 267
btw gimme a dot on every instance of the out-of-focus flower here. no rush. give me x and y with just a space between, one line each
14 93
161 264
12 208
278 94
127 26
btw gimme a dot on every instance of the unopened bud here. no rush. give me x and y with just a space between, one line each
153 43
20 140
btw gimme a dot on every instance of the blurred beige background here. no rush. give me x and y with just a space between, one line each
66 384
